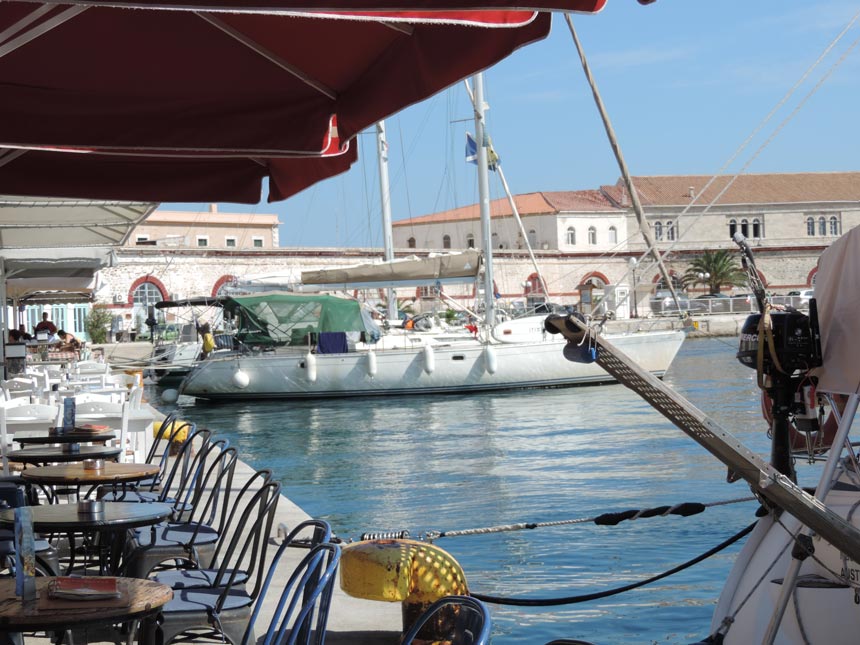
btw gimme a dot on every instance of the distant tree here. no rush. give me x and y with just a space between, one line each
715 269
97 324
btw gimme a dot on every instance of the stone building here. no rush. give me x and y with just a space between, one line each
583 240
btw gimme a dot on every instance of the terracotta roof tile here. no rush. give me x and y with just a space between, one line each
541 203
771 188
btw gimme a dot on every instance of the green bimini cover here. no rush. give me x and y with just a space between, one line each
277 318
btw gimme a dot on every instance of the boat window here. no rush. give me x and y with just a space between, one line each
745 228
613 235
446 241
410 242
835 228
571 235
822 226
592 235
810 226
658 230
733 227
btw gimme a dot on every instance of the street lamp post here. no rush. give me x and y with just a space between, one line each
633 264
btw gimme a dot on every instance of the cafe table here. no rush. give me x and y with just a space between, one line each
139 598
60 454
77 474
40 437
107 526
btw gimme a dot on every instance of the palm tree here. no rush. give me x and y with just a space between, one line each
715 269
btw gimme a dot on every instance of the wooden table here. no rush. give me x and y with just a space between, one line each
53 454
74 474
145 597
110 525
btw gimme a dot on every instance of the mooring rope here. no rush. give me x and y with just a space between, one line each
685 509
570 600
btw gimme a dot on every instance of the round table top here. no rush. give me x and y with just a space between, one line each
76 473
144 597
65 517
26 437
48 454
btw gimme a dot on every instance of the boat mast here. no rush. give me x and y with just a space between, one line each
513 204
644 227
484 200
385 199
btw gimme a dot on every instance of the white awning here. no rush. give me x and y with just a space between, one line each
33 222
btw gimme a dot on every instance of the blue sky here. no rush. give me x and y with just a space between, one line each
685 83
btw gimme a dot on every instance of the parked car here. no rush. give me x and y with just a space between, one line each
663 303
714 302
800 299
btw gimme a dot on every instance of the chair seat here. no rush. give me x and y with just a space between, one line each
195 578
197 600
171 534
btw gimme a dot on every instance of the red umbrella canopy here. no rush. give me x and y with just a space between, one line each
209 80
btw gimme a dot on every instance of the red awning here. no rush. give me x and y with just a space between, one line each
250 87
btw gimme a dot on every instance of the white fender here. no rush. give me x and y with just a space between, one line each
491 360
371 363
241 378
311 365
429 359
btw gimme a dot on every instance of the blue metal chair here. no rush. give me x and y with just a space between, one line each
458 620
202 518
229 612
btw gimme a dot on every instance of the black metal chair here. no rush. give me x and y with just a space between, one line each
201 513
242 547
458 620
229 612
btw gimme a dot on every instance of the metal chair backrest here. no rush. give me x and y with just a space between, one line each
244 550
178 470
193 467
301 614
209 497
462 620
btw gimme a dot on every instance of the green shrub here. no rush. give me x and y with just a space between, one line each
98 323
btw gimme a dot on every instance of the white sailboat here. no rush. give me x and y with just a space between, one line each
507 355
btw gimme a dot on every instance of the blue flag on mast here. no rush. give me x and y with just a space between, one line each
472 153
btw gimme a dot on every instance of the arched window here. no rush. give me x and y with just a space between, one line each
532 238
613 235
470 241
670 230
835 229
446 241
144 295
810 226
757 232
571 235
745 228
733 227
592 235
822 226
658 230
411 242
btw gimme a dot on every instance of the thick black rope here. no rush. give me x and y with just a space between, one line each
570 600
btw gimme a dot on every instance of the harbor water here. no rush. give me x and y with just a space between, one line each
445 463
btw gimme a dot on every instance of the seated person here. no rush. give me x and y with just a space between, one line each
208 344
14 336
45 325
68 343
24 335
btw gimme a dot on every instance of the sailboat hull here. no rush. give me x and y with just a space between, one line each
454 367
823 607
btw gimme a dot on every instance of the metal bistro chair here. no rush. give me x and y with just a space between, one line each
14 492
200 518
242 547
458 620
230 612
